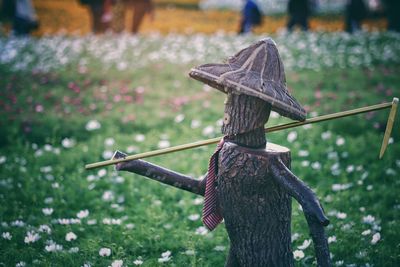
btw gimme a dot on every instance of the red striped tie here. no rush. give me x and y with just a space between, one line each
211 215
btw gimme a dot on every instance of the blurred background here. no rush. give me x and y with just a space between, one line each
208 16
80 79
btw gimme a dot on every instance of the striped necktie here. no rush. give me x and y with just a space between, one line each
211 214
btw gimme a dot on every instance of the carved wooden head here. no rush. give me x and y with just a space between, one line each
255 71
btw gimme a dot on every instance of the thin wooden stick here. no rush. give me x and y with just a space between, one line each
216 140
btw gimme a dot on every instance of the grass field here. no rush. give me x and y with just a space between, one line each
68 101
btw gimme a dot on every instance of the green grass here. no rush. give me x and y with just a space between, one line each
37 171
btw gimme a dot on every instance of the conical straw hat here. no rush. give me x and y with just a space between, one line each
256 71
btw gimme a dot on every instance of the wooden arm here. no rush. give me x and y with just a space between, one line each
298 190
163 175
313 211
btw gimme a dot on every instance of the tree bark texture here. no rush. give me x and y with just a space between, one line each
256 209
254 189
164 176
243 114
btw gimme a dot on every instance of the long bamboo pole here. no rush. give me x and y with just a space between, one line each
216 140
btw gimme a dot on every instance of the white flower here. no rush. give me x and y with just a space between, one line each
209 130
101 173
117 263
316 165
201 230
390 171
73 250
46 169
340 187
130 226
369 219
398 163
375 238
303 153
298 254
131 149
6 235
105 252
112 221
306 244
109 141
292 136
326 135
331 239
92 222
165 256
333 155
31 237
92 125
179 118
305 163
366 232
341 215
20 264
2 159
195 124
219 248
219 122
53 247
189 252
194 217
138 262
48 200
107 154
68 142
350 168
18 223
45 229
339 263
70 236
108 195
295 236
163 144
340 141
140 137
168 226
198 201
157 202
82 214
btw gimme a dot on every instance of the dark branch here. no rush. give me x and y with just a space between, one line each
299 190
321 246
313 211
163 175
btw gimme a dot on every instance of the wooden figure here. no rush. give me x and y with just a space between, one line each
249 183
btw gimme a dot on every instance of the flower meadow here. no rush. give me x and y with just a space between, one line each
67 101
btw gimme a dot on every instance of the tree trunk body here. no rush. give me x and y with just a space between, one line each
256 210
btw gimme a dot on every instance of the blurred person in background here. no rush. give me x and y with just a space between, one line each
355 13
299 12
118 16
22 14
97 11
392 10
139 8
251 17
